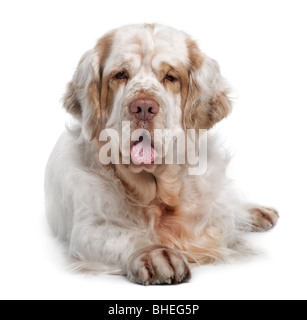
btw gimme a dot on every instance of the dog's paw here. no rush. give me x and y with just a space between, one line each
158 265
263 219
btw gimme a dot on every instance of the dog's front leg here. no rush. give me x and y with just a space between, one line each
131 250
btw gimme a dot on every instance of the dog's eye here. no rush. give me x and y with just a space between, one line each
121 75
170 78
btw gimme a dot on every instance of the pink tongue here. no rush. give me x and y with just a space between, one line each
143 153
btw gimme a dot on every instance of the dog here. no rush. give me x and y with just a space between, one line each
145 220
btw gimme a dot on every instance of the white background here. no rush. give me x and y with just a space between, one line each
261 47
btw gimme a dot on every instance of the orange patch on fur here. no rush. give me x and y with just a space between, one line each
203 111
98 88
160 197
71 103
96 91
175 230
140 188
195 55
94 100
104 47
181 74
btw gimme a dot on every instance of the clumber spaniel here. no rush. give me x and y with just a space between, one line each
146 219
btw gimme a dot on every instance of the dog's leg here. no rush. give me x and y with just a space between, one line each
262 218
132 251
158 265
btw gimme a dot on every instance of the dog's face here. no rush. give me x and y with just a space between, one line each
151 76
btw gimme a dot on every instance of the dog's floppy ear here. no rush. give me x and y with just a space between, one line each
207 101
83 94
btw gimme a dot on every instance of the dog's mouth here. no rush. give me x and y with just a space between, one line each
143 152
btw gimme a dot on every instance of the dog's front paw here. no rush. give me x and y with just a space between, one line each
158 265
263 219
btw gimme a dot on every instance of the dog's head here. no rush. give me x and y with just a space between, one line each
153 76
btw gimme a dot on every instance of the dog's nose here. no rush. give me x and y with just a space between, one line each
144 109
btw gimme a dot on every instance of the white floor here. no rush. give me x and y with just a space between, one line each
33 267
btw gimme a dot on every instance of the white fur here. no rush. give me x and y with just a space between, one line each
87 206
